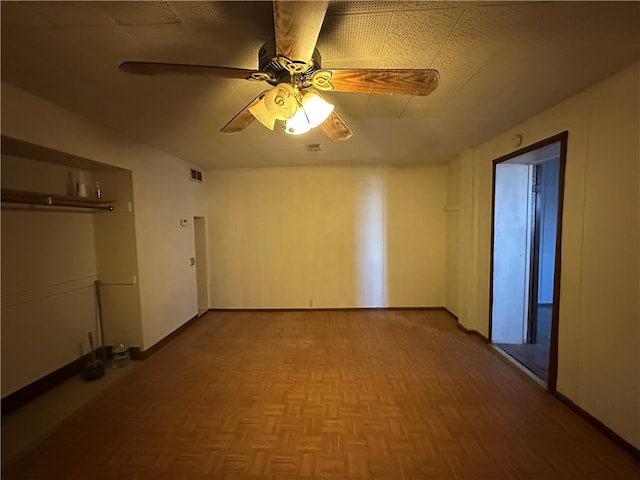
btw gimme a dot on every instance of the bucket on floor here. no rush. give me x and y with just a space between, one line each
119 355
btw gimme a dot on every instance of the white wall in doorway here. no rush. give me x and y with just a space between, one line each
511 246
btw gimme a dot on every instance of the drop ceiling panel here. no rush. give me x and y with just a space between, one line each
352 38
113 43
420 108
351 105
386 106
260 13
246 91
52 49
18 55
407 144
338 7
197 44
422 5
170 43
469 46
153 116
415 37
165 98
71 14
66 87
200 12
20 15
139 13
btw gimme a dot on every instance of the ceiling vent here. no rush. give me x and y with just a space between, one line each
196 175
313 147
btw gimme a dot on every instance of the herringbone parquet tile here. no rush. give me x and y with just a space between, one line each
327 395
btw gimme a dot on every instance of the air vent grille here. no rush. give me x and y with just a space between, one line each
196 175
313 147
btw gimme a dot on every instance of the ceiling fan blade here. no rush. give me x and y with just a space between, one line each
409 81
335 128
297 26
153 68
243 118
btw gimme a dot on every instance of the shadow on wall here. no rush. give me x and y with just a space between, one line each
370 235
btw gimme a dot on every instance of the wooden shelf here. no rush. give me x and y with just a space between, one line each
53 200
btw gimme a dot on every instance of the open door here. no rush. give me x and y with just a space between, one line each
545 194
525 256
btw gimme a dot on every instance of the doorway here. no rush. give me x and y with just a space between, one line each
202 281
525 256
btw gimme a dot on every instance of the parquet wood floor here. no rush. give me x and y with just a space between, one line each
335 395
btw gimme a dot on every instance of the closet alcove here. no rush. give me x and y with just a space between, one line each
55 245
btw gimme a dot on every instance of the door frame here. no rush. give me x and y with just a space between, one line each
534 266
561 137
201 264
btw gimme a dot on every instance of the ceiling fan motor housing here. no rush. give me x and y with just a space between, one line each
269 61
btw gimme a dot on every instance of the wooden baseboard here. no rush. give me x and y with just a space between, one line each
27 393
451 314
323 309
598 425
136 354
473 332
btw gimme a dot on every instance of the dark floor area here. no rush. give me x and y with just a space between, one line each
534 356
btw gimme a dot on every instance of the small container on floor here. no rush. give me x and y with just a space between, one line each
119 355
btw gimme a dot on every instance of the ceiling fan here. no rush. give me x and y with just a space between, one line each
292 65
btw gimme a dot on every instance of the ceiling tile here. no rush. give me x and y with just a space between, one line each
414 38
247 90
70 14
52 51
172 43
18 53
245 19
206 44
19 15
346 39
199 12
139 13
422 5
353 105
340 7
386 106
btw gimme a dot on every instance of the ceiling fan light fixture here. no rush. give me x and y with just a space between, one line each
312 112
298 124
279 103
262 114
317 108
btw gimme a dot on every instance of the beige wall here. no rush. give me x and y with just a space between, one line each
452 260
599 342
163 194
48 270
314 237
116 260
